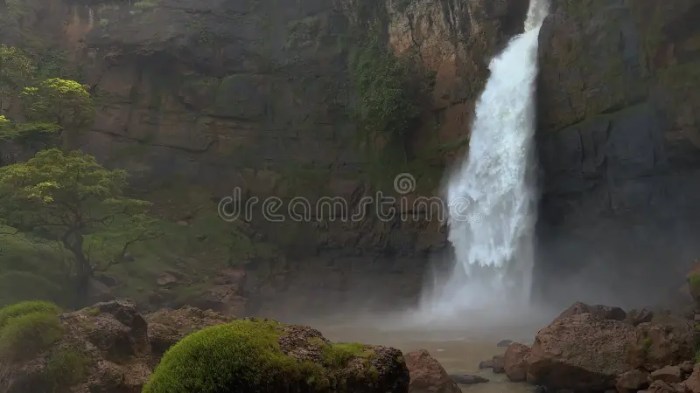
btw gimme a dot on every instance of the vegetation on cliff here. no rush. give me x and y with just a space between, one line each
392 95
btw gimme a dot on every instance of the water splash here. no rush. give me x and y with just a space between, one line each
492 194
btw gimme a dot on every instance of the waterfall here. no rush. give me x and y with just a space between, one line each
492 194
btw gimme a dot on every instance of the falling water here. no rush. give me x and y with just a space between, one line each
491 195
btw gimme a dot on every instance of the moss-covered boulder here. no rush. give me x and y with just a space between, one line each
266 356
110 347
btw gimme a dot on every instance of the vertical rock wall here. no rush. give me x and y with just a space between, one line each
619 94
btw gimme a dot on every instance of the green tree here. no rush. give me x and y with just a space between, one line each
16 72
60 101
67 196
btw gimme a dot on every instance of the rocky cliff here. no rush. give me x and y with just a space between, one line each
211 95
618 143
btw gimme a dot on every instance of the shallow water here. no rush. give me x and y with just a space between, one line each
459 351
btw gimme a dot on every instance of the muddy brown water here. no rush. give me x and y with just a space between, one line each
458 350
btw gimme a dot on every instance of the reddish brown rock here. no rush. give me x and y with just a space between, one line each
167 327
666 340
515 362
580 352
632 381
692 384
598 311
427 375
663 387
668 374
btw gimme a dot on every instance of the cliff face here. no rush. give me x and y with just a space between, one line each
618 141
257 95
218 94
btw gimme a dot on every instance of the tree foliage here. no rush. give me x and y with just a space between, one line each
61 101
16 71
67 196
10 130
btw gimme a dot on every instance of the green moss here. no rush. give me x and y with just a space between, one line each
92 311
24 308
391 94
27 335
243 356
66 368
338 355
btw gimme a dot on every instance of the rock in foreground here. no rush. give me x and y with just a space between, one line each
263 356
427 375
582 352
111 348
515 362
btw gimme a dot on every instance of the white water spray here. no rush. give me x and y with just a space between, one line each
492 193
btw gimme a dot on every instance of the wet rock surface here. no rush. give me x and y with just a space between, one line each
590 349
427 375
515 362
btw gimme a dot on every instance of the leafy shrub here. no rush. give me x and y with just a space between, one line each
243 356
24 336
26 308
64 368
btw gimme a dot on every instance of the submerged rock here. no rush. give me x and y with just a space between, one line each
468 379
484 364
427 375
499 364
